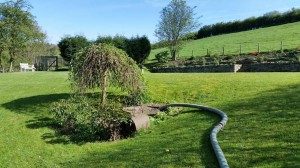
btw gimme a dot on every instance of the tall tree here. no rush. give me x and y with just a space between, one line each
138 48
3 43
20 27
69 45
177 19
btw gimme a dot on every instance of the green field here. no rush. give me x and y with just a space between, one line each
269 39
263 128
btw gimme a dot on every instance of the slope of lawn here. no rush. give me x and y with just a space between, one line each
263 128
269 39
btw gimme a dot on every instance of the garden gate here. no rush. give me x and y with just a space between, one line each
46 63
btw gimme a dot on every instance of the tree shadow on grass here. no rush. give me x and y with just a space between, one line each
145 150
39 108
35 105
41 104
264 130
180 145
50 138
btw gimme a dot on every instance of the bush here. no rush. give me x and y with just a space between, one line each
202 61
68 46
162 57
84 119
137 48
298 58
216 60
118 41
111 123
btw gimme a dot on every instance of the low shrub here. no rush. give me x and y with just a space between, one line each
170 112
162 57
216 60
84 119
298 58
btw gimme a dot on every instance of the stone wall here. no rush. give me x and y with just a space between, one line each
271 67
193 69
263 67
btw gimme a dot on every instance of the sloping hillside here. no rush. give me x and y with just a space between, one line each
269 39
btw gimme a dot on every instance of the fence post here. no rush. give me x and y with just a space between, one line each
281 47
258 48
56 61
223 51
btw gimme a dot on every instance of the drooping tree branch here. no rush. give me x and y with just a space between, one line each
95 65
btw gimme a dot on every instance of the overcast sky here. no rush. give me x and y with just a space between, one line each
136 17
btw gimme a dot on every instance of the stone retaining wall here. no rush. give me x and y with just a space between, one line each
262 67
193 69
271 67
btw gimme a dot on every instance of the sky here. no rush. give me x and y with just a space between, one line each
94 18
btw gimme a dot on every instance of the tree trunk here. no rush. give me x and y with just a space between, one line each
11 66
173 51
1 66
11 60
173 54
1 70
104 84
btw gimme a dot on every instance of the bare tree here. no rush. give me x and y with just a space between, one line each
177 19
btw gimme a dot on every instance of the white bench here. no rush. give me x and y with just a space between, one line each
24 67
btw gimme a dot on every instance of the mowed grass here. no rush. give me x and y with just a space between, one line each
269 39
263 128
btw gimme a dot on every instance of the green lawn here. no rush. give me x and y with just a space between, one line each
269 39
263 128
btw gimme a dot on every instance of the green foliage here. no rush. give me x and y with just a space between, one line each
159 44
269 19
104 64
105 39
83 119
216 60
17 29
298 58
186 37
162 57
166 115
177 20
100 66
138 48
117 41
69 45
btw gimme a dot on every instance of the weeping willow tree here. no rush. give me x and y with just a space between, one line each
102 65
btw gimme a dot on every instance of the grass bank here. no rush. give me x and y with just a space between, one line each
269 39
